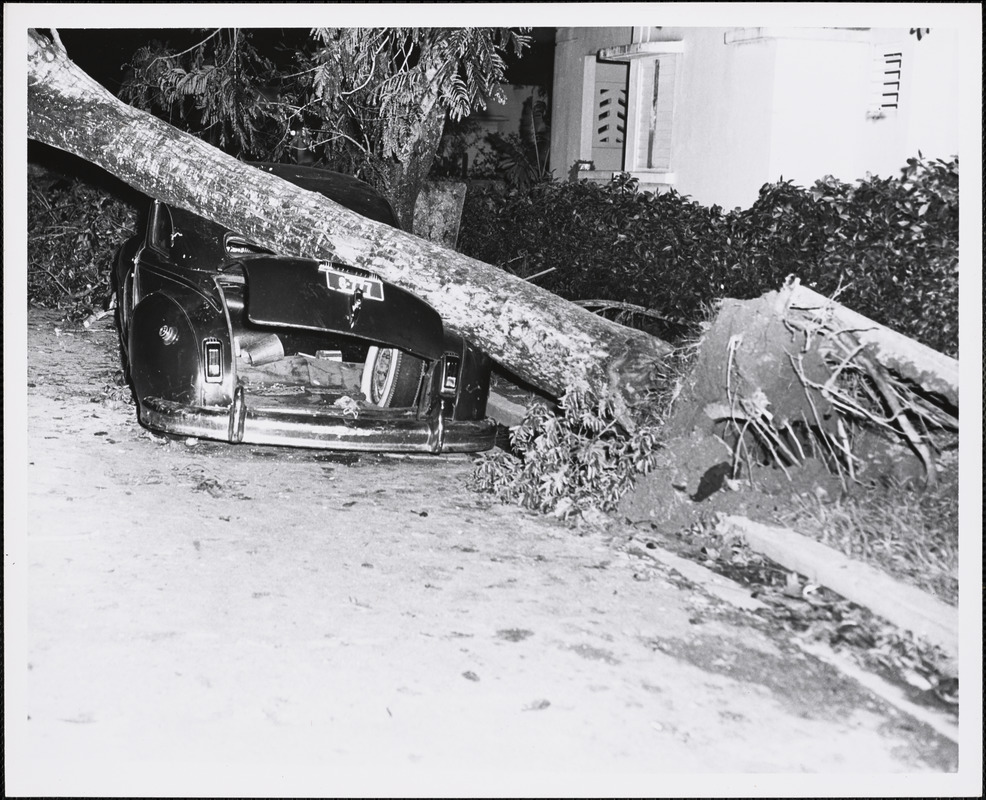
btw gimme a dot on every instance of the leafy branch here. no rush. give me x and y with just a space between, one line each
571 463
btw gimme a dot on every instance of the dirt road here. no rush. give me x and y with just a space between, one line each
369 623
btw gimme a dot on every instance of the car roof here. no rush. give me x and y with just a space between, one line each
345 190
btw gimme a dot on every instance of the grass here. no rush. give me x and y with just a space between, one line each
911 534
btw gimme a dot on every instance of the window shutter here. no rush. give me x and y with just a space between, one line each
887 78
610 115
657 79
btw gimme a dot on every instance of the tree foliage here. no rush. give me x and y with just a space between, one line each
367 101
222 88
73 231
385 79
569 463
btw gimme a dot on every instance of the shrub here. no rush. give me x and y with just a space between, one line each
890 245
74 230
900 264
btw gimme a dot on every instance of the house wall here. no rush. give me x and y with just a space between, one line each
928 119
821 91
775 105
757 104
721 146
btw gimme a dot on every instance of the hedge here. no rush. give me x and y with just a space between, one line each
887 246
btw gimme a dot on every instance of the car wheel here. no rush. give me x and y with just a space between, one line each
390 377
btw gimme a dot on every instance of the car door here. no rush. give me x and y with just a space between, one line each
173 258
152 250
154 261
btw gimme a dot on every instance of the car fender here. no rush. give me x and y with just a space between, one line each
470 369
123 269
169 332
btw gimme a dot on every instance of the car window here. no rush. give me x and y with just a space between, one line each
161 228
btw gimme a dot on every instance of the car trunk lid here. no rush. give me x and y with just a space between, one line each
334 298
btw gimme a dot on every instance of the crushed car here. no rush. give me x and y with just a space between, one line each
223 339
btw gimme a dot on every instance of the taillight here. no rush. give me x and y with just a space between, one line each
450 374
213 360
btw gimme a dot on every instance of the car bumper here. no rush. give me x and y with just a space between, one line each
376 431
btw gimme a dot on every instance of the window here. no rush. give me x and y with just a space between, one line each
643 77
609 116
161 229
656 79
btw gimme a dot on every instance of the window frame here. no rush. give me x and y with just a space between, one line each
160 213
633 54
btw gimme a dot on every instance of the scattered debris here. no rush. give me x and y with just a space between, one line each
514 634
98 315
350 407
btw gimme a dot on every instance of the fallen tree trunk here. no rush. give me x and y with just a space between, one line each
545 340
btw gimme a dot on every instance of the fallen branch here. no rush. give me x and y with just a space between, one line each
627 309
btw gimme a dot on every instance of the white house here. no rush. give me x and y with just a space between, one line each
718 112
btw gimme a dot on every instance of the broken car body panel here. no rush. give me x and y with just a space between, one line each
225 340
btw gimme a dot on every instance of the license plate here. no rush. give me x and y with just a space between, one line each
347 283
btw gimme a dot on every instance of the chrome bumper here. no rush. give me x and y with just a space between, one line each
375 431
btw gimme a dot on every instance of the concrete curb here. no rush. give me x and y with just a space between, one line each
939 720
506 412
740 597
899 603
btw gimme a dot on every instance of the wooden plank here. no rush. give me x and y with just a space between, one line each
903 605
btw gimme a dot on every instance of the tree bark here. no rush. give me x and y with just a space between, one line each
547 341
406 175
